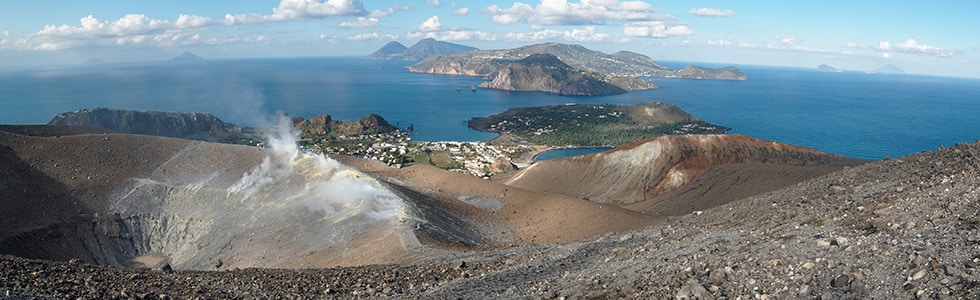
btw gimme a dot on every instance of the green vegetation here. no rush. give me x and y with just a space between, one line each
594 125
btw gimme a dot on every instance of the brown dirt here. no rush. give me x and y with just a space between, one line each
673 175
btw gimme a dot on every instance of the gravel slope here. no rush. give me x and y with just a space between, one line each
900 228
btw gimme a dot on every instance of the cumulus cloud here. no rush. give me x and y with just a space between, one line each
361 22
138 29
433 3
914 47
301 9
432 24
710 12
655 29
462 11
129 30
587 34
377 13
563 12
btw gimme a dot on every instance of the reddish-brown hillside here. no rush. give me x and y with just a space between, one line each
698 171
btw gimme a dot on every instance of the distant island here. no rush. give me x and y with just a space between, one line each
827 68
187 56
594 124
547 73
888 69
621 69
422 49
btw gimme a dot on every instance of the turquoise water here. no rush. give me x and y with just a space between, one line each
855 114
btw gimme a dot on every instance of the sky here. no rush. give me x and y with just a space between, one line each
921 37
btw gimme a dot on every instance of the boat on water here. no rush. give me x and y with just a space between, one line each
473 88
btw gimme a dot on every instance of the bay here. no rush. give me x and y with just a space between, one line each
854 114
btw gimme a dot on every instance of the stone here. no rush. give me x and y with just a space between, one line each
918 275
693 290
841 281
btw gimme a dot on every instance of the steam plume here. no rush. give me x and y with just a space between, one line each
292 177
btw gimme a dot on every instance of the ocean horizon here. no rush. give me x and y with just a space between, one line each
855 114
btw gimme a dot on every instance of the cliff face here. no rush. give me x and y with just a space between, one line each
193 125
642 174
546 73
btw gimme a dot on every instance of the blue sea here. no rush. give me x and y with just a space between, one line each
854 114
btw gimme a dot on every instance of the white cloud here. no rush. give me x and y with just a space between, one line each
138 29
361 22
372 36
720 43
377 13
433 3
914 47
588 34
462 11
786 39
710 12
186 21
563 12
454 35
432 24
301 9
655 29
885 55
727 43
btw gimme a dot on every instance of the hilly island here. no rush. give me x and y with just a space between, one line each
592 72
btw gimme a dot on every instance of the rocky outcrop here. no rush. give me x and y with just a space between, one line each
323 124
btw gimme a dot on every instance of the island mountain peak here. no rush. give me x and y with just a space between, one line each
187 56
390 49
422 49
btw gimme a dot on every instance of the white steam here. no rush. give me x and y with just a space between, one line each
288 176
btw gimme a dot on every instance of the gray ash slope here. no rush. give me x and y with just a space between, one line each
899 228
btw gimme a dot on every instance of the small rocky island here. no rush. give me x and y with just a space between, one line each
828 68
594 124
